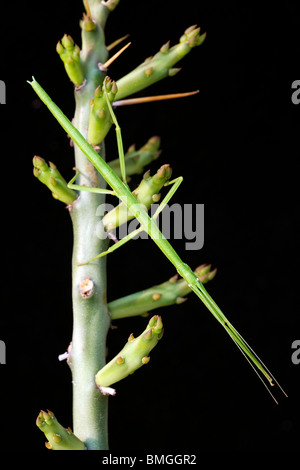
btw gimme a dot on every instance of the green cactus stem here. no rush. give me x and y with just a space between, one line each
99 10
69 53
51 177
137 160
168 293
161 65
100 119
151 71
58 437
90 316
133 356
111 4
146 194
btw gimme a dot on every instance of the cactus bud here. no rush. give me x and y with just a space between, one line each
161 65
69 53
134 355
51 177
58 437
148 187
100 119
136 160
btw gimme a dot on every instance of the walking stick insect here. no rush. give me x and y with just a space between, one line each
122 191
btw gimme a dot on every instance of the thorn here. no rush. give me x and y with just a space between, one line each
101 113
131 338
156 197
181 300
165 47
156 296
104 67
173 279
147 175
87 24
164 171
132 148
174 71
87 8
145 359
203 269
67 42
148 335
149 71
117 42
153 321
190 29
160 335
48 445
70 60
159 324
120 360
50 414
148 99
97 93
212 274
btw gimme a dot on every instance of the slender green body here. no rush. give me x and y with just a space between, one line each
95 93
123 192
121 189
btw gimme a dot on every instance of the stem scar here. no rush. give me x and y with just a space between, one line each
86 288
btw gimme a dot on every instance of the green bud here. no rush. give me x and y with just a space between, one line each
148 335
58 437
148 187
51 177
205 274
67 42
174 71
156 197
160 66
87 24
134 355
69 53
165 47
100 120
171 292
60 48
136 160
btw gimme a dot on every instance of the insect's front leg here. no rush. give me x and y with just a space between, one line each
90 189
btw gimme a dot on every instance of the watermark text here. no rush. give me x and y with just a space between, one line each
2 352
176 221
2 92
296 94
296 353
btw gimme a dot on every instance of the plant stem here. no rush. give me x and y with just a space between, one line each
91 318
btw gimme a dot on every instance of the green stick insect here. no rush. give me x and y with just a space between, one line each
122 191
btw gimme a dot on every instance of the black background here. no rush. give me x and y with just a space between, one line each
237 145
